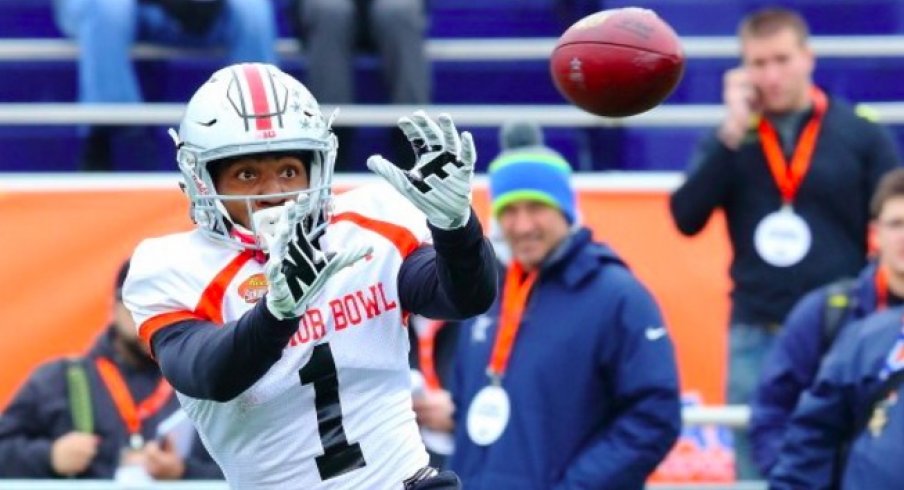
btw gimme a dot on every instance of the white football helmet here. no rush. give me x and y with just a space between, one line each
247 109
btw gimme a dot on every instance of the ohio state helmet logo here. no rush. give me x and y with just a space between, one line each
258 99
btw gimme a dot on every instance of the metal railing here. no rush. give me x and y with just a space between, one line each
479 49
735 416
144 114
483 49
219 485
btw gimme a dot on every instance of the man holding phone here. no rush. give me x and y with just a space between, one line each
793 170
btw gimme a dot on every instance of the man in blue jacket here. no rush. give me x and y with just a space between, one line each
569 380
847 431
818 318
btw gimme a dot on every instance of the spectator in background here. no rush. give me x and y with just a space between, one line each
333 32
106 31
570 310
816 320
847 431
432 359
76 417
793 170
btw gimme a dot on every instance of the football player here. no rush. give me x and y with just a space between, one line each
280 319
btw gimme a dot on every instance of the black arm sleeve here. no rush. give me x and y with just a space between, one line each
204 360
454 279
708 180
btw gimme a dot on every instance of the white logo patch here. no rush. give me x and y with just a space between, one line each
655 333
479 328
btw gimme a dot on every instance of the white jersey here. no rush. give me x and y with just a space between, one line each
335 411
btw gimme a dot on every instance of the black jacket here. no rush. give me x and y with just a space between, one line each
851 155
39 414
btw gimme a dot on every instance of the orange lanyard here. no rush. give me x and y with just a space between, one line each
881 284
789 177
426 343
514 299
131 414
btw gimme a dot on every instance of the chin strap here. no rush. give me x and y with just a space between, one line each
246 237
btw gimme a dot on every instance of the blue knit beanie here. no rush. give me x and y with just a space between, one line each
526 169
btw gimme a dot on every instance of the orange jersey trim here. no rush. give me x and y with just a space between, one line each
210 306
153 324
401 237
426 351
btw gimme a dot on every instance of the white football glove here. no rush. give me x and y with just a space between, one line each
296 270
440 182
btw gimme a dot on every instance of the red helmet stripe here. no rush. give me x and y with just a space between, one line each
259 102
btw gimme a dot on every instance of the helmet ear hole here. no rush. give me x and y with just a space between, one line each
305 156
215 169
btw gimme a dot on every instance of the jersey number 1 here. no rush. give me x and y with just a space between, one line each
338 455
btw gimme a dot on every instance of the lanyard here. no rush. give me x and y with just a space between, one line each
881 284
789 177
426 343
131 414
514 298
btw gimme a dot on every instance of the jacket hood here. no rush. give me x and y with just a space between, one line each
578 256
865 293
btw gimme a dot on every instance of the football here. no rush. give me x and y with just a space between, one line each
617 62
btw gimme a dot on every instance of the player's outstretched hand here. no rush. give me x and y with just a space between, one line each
297 270
440 182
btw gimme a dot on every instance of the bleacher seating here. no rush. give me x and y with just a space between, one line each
473 82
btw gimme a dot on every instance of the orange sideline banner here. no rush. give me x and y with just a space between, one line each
61 246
